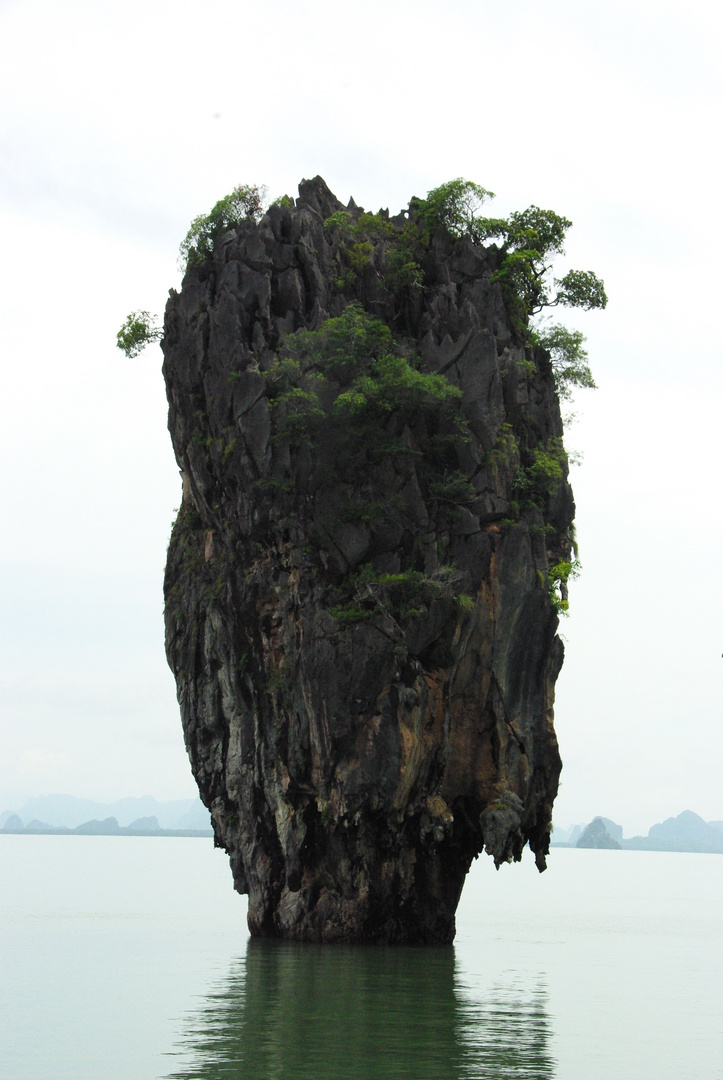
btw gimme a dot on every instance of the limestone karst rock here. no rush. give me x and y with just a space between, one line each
596 835
363 637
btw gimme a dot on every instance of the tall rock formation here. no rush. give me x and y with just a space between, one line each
360 614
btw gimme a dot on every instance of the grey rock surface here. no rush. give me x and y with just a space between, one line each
353 771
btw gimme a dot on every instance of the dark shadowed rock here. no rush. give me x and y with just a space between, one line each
354 767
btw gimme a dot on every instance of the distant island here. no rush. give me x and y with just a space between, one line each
686 832
67 815
108 827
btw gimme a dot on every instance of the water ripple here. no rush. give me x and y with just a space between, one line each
288 1011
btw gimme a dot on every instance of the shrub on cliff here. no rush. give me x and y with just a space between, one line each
372 246
529 240
349 377
391 253
245 203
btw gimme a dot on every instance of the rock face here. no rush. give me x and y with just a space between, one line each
357 750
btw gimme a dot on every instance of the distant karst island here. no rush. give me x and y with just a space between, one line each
188 817
686 832
65 815
107 827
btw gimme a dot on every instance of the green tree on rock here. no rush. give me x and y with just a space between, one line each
529 241
138 330
245 203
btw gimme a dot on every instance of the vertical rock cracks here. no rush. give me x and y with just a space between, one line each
357 751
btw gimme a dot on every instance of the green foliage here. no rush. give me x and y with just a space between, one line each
557 582
453 206
402 269
340 348
245 202
454 488
368 595
568 358
373 227
369 509
347 378
529 240
506 447
349 389
527 367
371 246
534 230
278 676
540 478
139 330
360 257
392 384
297 414
580 289
339 225
547 464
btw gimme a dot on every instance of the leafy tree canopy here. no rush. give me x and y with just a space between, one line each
246 202
529 240
568 358
341 347
453 206
356 352
138 330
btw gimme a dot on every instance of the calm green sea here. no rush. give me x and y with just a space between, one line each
127 958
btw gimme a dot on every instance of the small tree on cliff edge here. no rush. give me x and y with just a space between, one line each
139 330
245 203
529 241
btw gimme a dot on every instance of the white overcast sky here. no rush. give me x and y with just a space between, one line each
122 121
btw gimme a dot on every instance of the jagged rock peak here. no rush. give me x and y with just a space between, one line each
359 614
316 194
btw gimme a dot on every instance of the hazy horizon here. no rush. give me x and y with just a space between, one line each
120 123
560 827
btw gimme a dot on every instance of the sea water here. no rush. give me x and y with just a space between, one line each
127 958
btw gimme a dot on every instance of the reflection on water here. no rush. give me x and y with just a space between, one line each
302 1012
